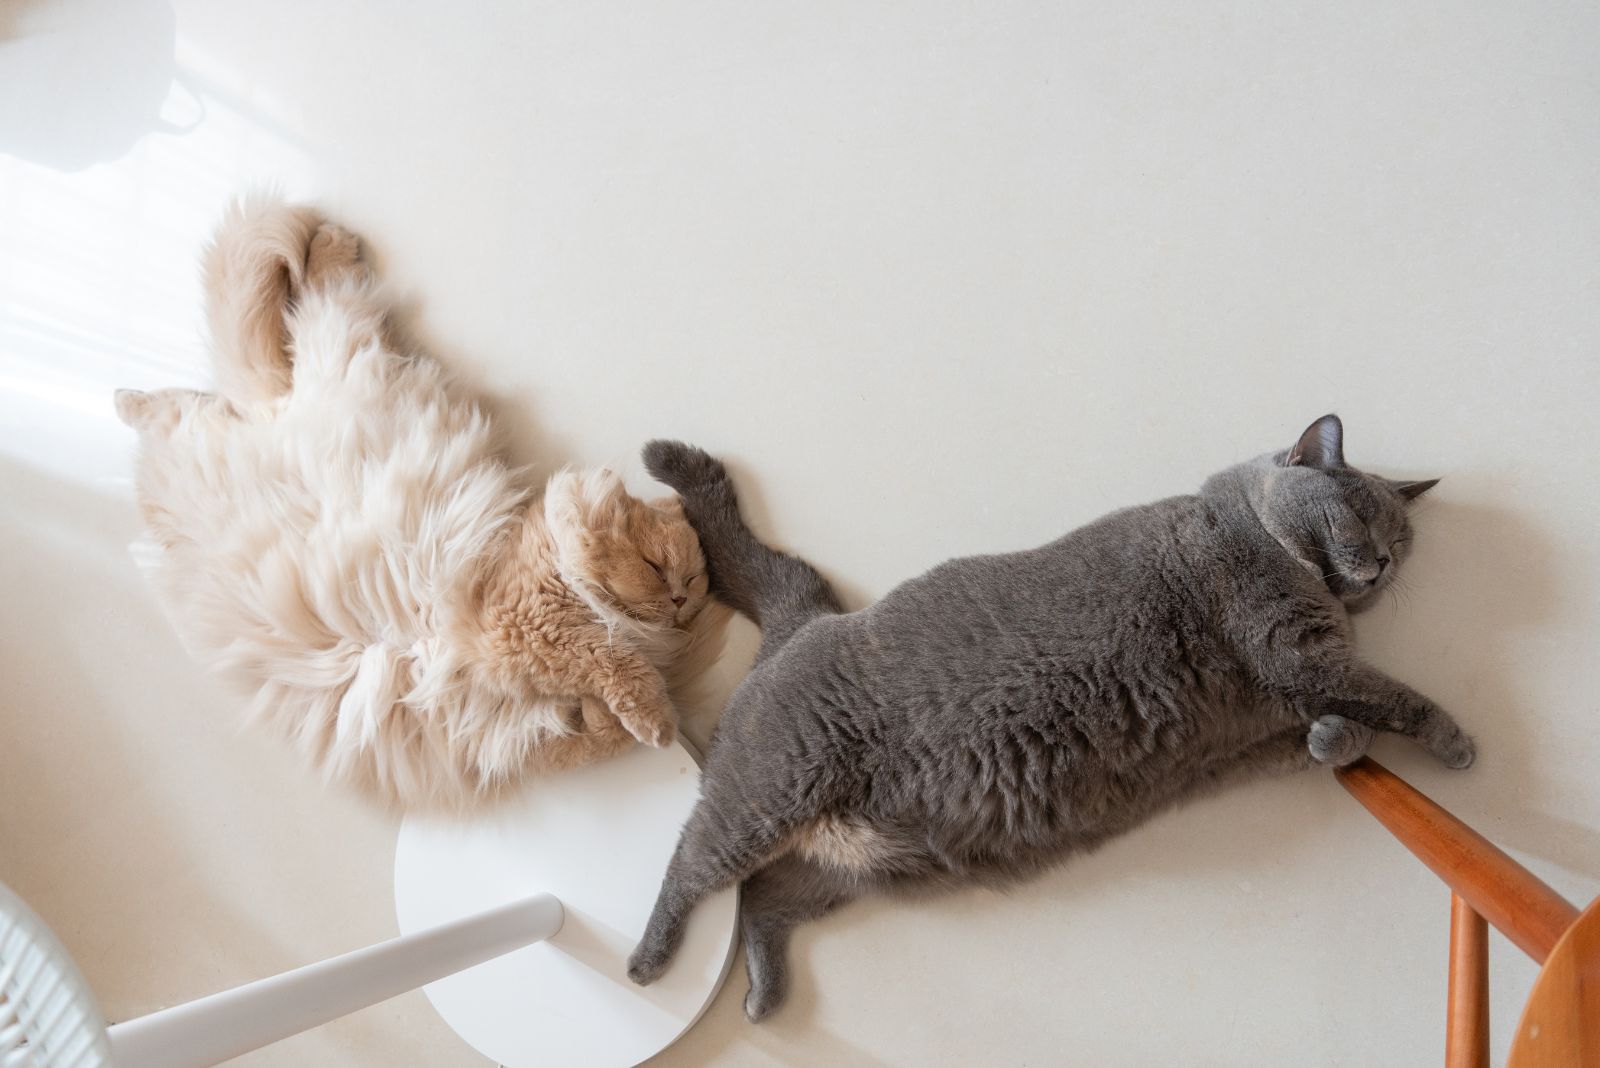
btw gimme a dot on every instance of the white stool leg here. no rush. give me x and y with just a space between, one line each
212 1029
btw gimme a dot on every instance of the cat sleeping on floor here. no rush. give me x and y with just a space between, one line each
999 713
335 530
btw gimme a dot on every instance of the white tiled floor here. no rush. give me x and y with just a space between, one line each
938 278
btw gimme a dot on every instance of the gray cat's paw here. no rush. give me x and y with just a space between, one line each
1337 741
646 964
769 974
1458 753
759 1003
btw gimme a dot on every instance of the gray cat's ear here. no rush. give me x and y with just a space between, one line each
1412 490
1321 446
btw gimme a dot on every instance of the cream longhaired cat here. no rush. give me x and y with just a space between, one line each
336 530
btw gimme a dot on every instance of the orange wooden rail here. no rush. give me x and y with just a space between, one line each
1499 889
1561 1024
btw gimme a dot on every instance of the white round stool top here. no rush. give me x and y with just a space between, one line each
598 838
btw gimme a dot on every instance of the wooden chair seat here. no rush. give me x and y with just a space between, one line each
1561 1023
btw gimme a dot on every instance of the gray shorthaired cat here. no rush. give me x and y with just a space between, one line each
999 713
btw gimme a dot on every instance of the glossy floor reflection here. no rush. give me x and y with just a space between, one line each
937 279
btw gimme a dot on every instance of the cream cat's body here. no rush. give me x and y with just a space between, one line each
338 532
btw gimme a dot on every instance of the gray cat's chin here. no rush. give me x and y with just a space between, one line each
1355 594
1361 600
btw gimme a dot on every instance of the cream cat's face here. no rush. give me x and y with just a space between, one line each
648 559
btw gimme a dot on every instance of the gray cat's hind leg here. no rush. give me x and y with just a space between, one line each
713 853
784 894
778 591
1337 741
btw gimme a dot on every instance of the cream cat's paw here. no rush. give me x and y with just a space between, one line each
650 727
334 253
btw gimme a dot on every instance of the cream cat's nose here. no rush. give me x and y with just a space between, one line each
679 600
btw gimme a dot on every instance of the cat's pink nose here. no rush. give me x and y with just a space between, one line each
680 601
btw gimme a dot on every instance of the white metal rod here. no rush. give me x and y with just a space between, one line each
212 1029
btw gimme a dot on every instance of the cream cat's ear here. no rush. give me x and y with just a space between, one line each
605 487
671 504
581 503
604 498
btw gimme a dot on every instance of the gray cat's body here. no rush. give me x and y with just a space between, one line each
995 715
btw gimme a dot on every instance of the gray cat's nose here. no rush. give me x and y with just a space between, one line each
1383 562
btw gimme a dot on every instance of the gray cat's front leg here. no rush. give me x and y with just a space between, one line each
1370 698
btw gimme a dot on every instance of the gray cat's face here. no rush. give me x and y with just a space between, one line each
1349 528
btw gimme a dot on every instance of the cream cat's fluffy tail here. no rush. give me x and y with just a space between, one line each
253 270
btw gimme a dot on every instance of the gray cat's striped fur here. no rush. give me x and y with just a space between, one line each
999 713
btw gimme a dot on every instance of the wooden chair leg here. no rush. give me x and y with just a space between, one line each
1466 1043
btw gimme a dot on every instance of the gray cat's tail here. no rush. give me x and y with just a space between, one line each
778 591
252 270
